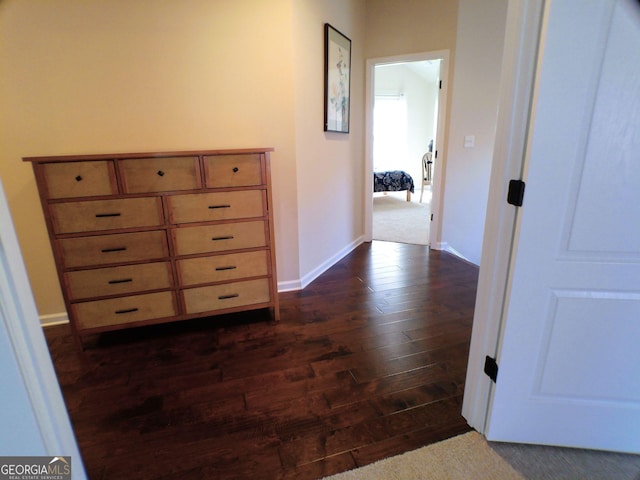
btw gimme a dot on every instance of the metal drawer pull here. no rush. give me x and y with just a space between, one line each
117 249
226 297
230 237
231 267
103 215
128 310
124 280
78 178
235 169
219 206
160 173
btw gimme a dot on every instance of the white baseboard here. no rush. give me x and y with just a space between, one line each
445 247
54 319
320 269
453 251
290 286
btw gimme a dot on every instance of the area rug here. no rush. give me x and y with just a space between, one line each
463 457
396 220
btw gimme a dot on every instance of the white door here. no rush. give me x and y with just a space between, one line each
569 357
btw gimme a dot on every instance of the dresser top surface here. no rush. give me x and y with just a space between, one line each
140 155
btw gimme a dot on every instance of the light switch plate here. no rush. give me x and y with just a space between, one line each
469 141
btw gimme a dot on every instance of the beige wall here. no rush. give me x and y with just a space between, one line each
89 76
474 111
330 165
396 27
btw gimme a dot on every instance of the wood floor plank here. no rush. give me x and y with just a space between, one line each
366 362
344 395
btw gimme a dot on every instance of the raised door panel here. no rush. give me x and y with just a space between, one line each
207 207
230 295
218 238
218 268
233 170
110 249
79 179
72 217
84 284
116 311
146 175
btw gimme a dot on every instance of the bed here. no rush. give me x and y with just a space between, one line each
393 181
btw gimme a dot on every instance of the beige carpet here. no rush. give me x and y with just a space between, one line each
396 220
464 457
470 456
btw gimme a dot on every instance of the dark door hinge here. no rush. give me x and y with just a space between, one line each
516 192
491 368
432 217
440 85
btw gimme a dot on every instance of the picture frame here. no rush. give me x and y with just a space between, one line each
337 80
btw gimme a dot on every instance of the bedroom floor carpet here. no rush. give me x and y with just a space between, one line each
463 457
396 220
470 456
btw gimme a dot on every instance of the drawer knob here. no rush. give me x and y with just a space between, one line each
160 173
235 169
128 310
78 178
227 297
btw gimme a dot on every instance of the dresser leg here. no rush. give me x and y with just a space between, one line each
77 339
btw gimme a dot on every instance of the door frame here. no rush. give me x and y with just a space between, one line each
50 422
439 166
518 76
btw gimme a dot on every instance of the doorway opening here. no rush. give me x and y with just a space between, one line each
405 115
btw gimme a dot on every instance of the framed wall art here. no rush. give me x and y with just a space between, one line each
337 80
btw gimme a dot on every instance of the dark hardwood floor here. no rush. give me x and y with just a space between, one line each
367 362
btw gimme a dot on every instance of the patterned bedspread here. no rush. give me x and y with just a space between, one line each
392 181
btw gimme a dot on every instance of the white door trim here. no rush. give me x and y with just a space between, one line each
439 166
522 38
19 315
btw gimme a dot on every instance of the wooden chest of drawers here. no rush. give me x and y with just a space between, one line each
147 238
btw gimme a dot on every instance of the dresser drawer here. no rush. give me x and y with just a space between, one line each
233 171
205 299
206 207
118 248
116 311
79 179
160 174
194 271
118 280
218 238
88 216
